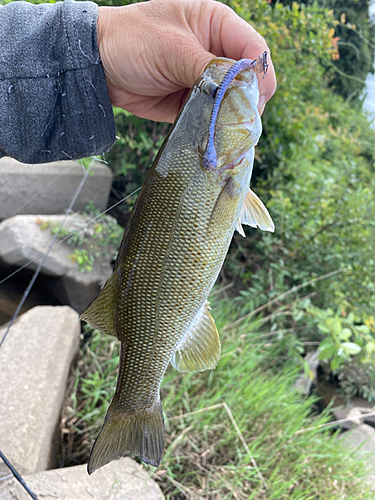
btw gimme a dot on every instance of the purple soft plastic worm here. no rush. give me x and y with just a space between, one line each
257 65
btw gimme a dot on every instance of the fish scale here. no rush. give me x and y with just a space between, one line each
155 301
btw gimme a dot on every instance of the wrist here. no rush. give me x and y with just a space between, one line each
102 28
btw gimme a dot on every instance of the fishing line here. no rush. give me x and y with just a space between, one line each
70 234
17 476
35 275
27 291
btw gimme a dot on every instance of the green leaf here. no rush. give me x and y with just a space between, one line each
351 317
327 342
351 348
345 334
328 352
298 315
334 325
362 329
323 328
336 362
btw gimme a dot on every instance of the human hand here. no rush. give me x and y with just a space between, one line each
153 52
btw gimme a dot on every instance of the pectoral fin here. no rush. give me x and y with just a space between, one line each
254 214
200 349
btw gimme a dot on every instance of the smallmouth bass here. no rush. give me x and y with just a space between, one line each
155 302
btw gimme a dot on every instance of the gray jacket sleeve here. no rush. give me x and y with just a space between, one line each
54 103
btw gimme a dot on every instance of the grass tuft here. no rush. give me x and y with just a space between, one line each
231 433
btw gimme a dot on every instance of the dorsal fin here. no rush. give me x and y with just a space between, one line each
254 214
200 349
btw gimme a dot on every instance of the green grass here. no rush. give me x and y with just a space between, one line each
204 455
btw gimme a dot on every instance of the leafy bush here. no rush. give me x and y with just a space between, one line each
345 336
357 379
354 36
316 162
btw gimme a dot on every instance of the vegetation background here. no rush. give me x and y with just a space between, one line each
309 285
243 431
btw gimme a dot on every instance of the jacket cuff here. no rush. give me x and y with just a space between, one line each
87 102
56 104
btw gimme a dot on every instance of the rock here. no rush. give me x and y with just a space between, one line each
346 413
24 240
304 383
362 439
122 479
48 188
369 415
35 360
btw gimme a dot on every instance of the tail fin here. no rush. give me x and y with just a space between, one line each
138 433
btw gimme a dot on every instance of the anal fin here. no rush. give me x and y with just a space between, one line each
200 349
254 214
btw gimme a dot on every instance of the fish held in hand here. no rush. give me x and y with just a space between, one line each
155 302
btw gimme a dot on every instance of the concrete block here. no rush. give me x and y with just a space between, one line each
48 188
122 479
369 415
35 360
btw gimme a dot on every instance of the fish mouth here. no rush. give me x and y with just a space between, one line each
260 64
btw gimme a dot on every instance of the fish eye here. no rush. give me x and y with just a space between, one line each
210 88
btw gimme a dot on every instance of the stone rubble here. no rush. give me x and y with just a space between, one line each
361 438
356 418
345 413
